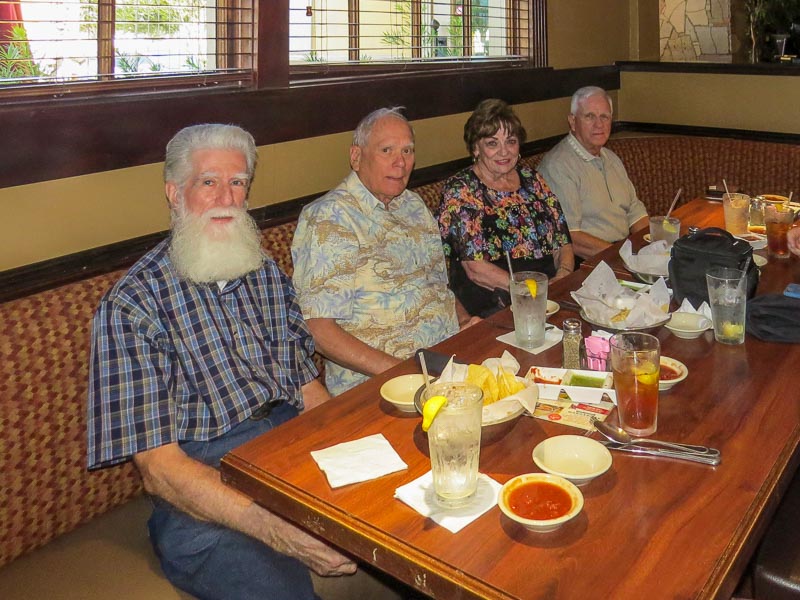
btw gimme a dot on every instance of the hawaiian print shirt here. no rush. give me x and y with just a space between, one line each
479 223
379 271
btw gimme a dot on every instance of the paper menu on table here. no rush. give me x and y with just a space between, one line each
574 415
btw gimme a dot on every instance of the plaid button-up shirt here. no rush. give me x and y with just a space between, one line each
175 361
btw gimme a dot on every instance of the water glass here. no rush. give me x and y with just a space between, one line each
454 440
727 296
737 211
665 228
778 219
530 311
635 362
755 220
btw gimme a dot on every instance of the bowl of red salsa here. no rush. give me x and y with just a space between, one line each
672 372
540 501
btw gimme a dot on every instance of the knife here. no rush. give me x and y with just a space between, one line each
712 459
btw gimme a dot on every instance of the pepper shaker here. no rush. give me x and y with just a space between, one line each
571 344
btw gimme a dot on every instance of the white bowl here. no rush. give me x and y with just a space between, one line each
688 326
541 525
400 391
683 371
574 457
552 308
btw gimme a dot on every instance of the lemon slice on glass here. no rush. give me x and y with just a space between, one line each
431 408
531 283
669 227
647 374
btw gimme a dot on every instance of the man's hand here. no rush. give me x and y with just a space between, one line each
196 488
314 394
469 323
316 555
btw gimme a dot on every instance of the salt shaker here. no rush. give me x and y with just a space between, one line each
571 344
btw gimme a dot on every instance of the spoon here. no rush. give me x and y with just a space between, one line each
617 434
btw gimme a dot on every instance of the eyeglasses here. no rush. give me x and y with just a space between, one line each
592 119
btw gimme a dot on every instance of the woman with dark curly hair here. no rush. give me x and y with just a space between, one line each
498 206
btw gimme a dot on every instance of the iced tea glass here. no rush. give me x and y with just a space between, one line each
635 362
454 440
736 208
778 220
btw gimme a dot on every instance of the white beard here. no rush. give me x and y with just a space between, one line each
204 252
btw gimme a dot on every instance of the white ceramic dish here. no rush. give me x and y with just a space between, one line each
400 391
756 240
541 526
759 260
613 327
688 326
667 384
646 237
574 457
552 308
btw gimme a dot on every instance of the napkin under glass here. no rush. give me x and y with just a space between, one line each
420 496
551 338
360 460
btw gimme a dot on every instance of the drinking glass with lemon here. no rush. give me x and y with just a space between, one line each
529 303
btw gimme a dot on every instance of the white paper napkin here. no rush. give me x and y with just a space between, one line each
420 496
652 259
603 299
704 309
360 460
551 338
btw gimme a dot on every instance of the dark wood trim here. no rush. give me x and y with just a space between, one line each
272 68
709 68
744 134
65 138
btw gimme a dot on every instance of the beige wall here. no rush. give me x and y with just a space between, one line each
56 218
751 102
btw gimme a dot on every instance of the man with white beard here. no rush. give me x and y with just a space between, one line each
200 347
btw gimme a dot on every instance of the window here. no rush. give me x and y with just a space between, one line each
402 31
83 47
53 42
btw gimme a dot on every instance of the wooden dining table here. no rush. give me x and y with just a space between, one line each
650 527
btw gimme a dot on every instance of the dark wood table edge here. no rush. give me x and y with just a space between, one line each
413 567
732 564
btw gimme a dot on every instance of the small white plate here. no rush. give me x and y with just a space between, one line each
756 240
646 237
552 308
759 260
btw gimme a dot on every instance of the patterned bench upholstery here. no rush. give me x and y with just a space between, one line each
44 343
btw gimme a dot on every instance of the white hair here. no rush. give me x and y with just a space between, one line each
178 162
365 126
587 92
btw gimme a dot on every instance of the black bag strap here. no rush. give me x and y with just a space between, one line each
711 231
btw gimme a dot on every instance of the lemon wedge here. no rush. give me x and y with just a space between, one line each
431 408
531 283
647 374
731 330
669 227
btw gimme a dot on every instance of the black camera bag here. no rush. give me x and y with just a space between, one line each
695 254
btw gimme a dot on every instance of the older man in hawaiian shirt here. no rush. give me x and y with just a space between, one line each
369 266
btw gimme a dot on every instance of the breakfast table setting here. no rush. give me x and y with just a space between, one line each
640 518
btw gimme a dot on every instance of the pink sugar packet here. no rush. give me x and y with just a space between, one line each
597 349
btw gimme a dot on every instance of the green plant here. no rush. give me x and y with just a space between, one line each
767 17
16 59
163 18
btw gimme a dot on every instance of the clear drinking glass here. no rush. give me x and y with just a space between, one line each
454 439
737 211
529 312
727 296
665 228
635 362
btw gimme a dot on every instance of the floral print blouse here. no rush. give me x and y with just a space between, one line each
479 223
